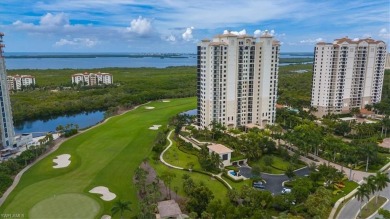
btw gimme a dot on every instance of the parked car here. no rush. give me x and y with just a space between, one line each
258 185
286 190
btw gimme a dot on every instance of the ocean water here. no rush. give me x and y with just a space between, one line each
22 61
99 62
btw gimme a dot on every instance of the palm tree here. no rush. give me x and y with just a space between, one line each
371 184
167 177
381 181
362 192
355 111
120 206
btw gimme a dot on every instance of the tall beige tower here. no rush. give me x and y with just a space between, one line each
347 74
6 127
237 80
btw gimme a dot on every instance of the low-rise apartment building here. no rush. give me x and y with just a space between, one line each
92 79
18 82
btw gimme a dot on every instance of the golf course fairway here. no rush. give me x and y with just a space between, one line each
105 155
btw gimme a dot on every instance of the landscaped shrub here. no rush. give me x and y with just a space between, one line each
70 132
232 168
160 142
5 182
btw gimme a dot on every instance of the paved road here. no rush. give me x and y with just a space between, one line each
356 175
274 181
351 209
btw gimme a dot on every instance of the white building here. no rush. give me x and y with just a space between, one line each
18 82
91 79
347 74
224 153
387 65
6 125
237 80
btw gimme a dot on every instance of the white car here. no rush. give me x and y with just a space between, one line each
286 190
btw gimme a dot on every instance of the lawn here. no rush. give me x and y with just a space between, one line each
218 189
106 155
371 207
178 158
349 186
237 184
279 166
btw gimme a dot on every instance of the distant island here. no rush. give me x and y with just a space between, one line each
290 58
39 56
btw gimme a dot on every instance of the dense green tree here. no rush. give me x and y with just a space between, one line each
368 150
290 172
342 128
307 136
209 161
140 178
319 203
384 213
199 198
381 182
120 207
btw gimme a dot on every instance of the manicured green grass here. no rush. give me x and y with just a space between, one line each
178 158
278 167
349 186
371 207
106 155
238 185
71 205
218 189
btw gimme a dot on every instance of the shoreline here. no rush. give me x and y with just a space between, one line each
61 140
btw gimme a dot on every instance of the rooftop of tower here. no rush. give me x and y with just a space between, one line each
352 41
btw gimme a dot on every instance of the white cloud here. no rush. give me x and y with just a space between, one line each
85 42
238 33
257 33
50 19
311 41
384 34
170 38
187 35
140 26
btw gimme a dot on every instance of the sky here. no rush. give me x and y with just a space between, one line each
175 26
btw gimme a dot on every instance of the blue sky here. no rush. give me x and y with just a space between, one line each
177 25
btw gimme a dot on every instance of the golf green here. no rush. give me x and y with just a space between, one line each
106 155
66 206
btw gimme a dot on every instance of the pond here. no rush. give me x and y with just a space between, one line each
192 112
83 120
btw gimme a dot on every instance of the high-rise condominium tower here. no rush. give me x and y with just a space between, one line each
347 74
6 127
237 80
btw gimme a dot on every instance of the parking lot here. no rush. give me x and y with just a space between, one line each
273 181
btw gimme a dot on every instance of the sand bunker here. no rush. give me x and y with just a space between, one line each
154 127
104 191
61 161
149 107
166 101
106 217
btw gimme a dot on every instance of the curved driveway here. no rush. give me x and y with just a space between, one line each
274 181
351 209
